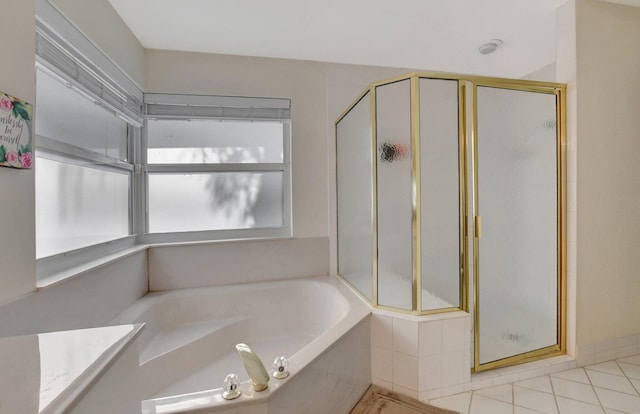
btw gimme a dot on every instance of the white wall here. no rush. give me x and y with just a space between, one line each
608 171
227 263
17 209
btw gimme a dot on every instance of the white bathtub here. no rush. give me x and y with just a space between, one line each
188 345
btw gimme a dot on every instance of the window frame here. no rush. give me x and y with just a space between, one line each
215 102
50 148
64 53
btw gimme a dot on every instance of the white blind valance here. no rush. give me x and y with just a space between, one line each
220 107
62 48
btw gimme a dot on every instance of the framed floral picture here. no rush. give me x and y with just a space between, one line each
15 132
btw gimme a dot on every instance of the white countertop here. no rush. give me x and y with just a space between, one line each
48 373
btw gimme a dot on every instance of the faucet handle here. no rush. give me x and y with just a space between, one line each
231 387
280 368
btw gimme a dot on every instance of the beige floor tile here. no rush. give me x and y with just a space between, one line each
522 410
576 375
631 360
574 391
609 367
540 384
502 393
611 382
619 401
630 370
458 402
484 405
608 388
569 406
534 399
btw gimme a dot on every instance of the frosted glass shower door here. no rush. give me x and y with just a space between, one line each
440 194
355 196
517 200
394 196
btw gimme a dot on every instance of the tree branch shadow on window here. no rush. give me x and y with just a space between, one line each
234 194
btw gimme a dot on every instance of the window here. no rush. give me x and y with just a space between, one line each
83 176
217 165
87 115
115 167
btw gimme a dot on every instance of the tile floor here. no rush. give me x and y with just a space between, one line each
608 388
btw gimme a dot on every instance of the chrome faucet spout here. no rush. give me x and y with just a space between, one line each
254 366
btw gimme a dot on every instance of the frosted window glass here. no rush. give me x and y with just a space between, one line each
354 172
214 142
394 195
440 212
517 188
78 206
215 201
66 115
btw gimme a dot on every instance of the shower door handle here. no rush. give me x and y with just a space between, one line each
477 227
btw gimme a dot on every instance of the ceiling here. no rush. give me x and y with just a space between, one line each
439 35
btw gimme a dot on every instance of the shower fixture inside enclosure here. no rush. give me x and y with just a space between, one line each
415 155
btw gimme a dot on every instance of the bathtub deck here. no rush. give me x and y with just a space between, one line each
212 375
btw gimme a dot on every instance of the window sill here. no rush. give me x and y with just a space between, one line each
215 236
79 270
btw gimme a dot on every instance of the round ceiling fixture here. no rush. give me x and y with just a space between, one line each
490 46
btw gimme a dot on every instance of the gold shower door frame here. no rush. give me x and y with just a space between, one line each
416 292
467 147
559 90
416 205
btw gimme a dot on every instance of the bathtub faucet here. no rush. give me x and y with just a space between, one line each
255 368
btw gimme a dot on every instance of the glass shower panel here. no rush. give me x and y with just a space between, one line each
518 256
393 125
355 198
439 176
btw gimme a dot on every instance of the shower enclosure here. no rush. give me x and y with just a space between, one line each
431 167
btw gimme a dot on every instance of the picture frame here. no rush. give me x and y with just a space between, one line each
15 132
